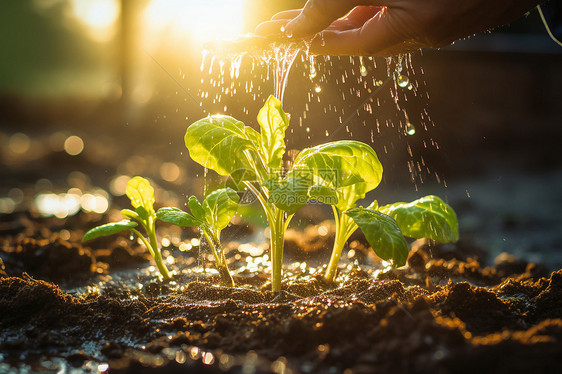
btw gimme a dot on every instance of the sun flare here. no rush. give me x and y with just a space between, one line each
200 20
98 15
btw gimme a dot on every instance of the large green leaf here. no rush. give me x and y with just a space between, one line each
323 194
428 217
108 229
350 167
221 143
382 233
177 217
288 194
141 194
220 206
273 123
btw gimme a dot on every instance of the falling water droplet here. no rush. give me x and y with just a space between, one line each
402 80
322 40
327 133
410 129
312 67
378 83
131 237
317 89
204 54
313 72
410 87
363 69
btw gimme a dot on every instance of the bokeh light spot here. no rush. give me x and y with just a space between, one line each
169 171
19 143
118 185
73 145
7 205
16 194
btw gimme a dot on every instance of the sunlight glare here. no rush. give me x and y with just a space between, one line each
202 20
98 15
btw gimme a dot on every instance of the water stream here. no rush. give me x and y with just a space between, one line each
246 71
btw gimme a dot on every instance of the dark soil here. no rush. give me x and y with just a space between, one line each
102 308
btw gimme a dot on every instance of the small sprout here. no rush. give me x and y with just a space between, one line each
141 194
211 217
252 158
351 169
337 173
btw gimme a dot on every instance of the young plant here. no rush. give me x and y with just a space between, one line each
141 194
337 173
253 159
351 169
211 217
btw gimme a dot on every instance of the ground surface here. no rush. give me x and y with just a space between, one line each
88 310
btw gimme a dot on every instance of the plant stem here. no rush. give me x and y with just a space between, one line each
151 231
277 241
220 259
344 228
277 225
144 241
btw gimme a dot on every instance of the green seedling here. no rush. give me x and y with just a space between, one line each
351 169
211 216
338 173
252 159
141 194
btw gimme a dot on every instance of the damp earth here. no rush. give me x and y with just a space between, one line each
103 308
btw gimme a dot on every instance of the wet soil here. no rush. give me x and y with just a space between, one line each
102 308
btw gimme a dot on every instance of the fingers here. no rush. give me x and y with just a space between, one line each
277 22
359 15
271 27
277 26
287 14
374 38
319 14
343 24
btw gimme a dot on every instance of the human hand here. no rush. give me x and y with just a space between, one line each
386 27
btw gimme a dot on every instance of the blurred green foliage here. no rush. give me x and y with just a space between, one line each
46 52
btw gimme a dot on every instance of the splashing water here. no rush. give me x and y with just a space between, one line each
249 67
277 56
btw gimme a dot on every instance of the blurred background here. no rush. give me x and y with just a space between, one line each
93 92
